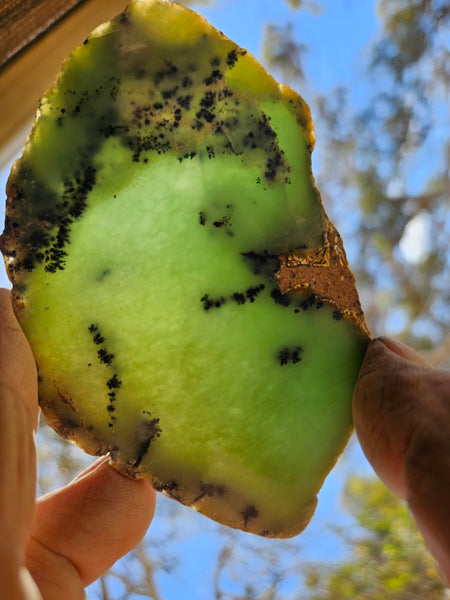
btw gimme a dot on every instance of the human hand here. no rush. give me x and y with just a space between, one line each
68 538
401 411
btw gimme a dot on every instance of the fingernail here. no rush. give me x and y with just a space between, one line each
97 464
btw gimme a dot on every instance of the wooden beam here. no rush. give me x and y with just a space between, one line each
22 22
24 79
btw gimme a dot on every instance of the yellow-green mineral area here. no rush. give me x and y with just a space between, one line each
187 300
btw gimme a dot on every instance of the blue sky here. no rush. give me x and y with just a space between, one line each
336 36
337 40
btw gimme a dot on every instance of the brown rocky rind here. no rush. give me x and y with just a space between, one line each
326 275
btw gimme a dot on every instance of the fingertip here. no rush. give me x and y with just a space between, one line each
5 302
375 354
17 365
127 489
95 519
436 537
378 414
402 350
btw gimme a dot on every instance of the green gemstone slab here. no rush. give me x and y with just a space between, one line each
187 300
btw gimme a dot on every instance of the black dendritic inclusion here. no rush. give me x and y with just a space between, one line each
279 298
45 238
148 431
184 96
298 304
169 488
149 428
88 111
239 298
113 383
295 302
232 57
249 512
267 264
103 275
209 302
209 490
221 222
290 355
262 263
253 291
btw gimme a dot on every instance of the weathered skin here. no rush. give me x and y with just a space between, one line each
188 302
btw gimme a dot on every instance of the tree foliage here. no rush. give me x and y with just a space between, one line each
377 157
283 53
308 4
388 556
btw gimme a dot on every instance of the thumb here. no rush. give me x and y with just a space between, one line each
401 411
81 529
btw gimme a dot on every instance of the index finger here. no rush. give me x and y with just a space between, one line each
18 418
18 372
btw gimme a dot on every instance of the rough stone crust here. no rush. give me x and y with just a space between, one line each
229 509
326 274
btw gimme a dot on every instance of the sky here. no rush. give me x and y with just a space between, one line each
337 40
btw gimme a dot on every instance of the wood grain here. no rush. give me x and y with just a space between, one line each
22 21
29 72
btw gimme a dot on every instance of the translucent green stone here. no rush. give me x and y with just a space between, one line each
187 300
